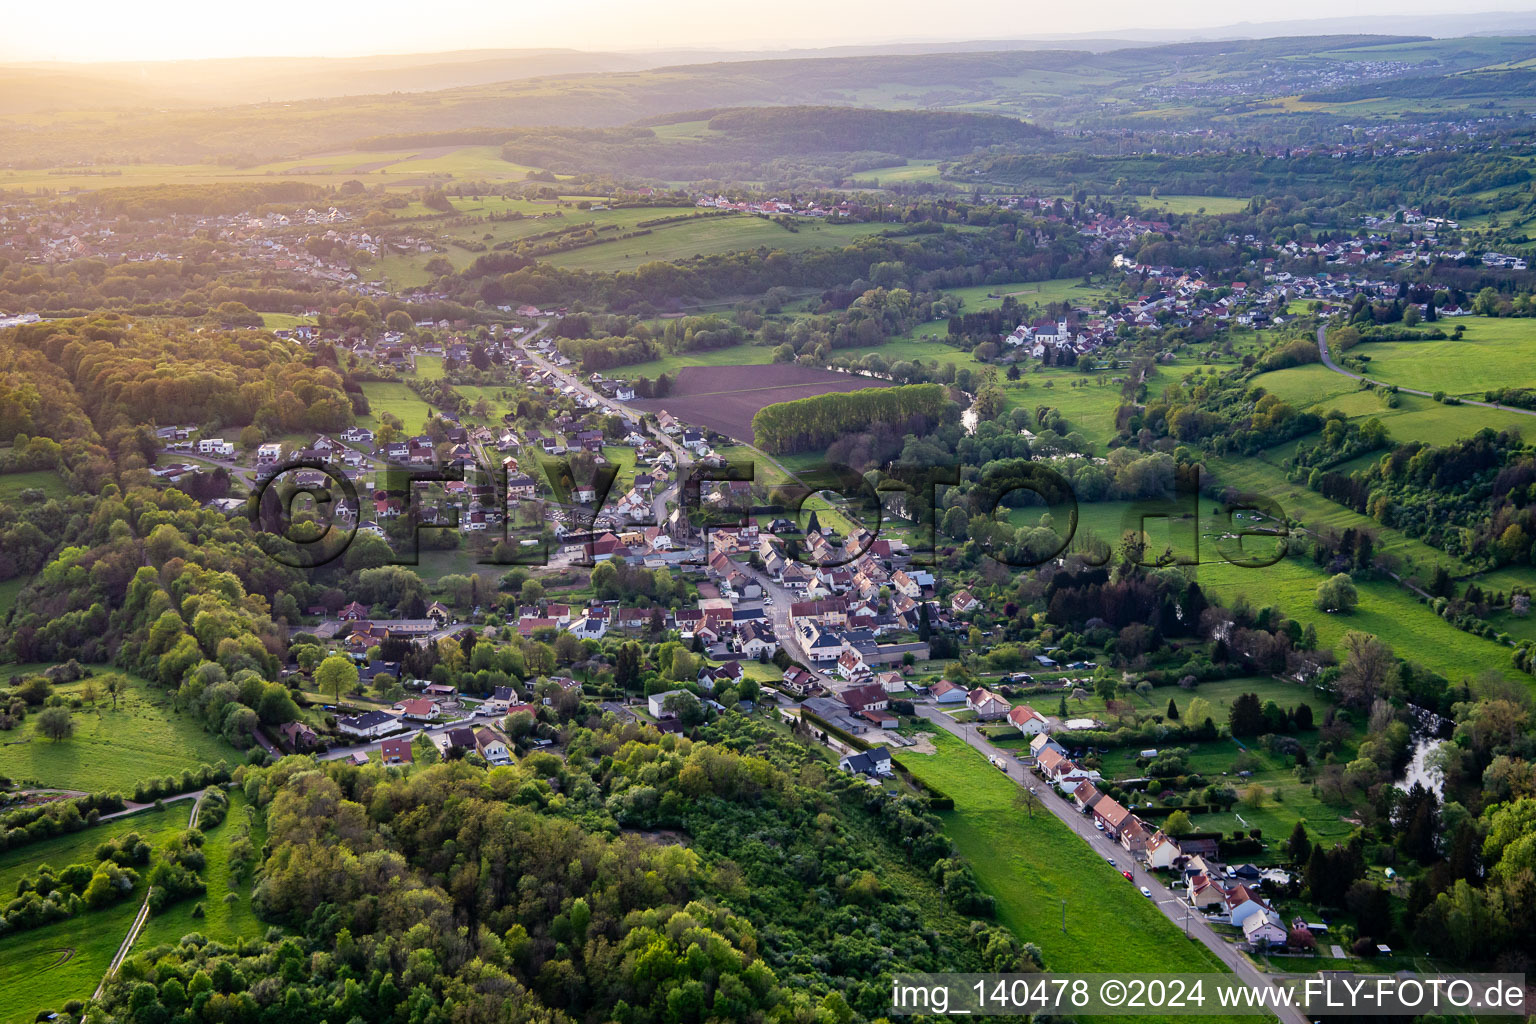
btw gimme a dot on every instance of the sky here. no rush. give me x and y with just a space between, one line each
106 30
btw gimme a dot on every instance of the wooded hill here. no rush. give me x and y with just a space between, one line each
746 142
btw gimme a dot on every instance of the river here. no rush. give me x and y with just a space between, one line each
1428 736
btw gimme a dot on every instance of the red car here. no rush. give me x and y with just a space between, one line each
1128 877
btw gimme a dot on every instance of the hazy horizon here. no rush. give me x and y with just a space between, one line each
99 32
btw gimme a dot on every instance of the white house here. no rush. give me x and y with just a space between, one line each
876 761
656 702
1027 720
268 453
1162 850
1264 928
586 628
946 692
986 704
215 446
368 725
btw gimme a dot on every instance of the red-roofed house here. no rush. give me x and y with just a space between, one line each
947 692
1028 721
419 709
986 704
396 752
865 698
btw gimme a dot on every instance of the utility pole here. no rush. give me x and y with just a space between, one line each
1063 917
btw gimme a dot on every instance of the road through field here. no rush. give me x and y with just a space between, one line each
1322 347
1172 907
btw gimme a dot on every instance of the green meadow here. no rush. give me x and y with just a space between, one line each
146 737
709 236
221 921
1494 353
1031 864
733 355
42 968
77 847
396 398
45 480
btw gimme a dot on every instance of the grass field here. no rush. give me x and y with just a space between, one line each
1387 610
1195 204
1412 629
1494 353
222 922
394 397
10 590
734 355
45 480
1031 864
1416 418
77 847
42 968
111 750
708 236
283 321
1315 512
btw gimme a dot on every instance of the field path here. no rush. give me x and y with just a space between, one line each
143 914
1322 347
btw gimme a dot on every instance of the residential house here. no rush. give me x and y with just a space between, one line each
396 751
947 692
850 665
499 701
1028 721
1113 815
1134 837
1043 742
1063 772
492 747
368 725
1203 891
798 681
657 704
1162 850
461 738
1264 929
869 697
964 603
299 736
874 763
986 704
419 709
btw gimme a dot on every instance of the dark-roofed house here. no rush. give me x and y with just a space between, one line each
368 725
462 737
873 762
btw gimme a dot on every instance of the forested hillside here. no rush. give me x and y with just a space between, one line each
638 879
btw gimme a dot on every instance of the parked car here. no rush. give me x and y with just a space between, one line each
1111 862
1146 892
1127 875
1098 824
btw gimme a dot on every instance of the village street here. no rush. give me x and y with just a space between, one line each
1172 906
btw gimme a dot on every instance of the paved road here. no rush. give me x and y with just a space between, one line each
1322 347
1173 908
